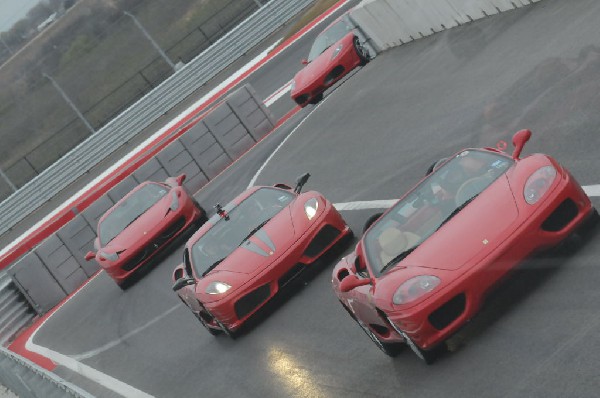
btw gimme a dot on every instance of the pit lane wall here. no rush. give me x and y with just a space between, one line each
28 380
390 23
55 268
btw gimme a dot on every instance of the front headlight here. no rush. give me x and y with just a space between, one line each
337 50
174 201
538 184
109 256
415 288
310 208
217 288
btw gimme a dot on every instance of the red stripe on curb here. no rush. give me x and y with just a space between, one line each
87 198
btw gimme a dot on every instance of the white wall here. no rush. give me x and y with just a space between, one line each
390 23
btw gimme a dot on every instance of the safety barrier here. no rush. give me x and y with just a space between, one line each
390 23
56 267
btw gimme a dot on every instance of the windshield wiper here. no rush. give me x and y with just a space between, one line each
456 211
399 257
213 266
255 230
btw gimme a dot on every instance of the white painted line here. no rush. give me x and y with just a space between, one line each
103 379
114 343
362 205
271 99
592 190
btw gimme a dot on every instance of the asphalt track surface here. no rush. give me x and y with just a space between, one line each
372 138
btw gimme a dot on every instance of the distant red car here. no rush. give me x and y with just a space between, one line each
334 53
423 268
141 225
250 249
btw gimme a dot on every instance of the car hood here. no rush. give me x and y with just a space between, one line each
477 230
261 249
140 228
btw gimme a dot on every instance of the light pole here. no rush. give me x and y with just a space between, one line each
71 104
156 46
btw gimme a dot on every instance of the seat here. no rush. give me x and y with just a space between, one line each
393 241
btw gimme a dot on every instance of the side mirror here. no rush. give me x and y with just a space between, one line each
352 282
90 256
300 181
304 61
175 181
519 139
182 282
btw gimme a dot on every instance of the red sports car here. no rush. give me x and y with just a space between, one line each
250 249
422 269
142 224
335 52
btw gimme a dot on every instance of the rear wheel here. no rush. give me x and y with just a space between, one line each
362 52
370 221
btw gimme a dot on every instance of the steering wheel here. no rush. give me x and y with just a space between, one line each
470 188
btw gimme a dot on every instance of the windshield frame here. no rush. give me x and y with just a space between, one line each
328 38
123 214
423 210
226 234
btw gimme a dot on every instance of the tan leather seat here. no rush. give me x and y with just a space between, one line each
394 241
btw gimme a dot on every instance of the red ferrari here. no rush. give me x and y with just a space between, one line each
250 249
141 225
423 268
335 52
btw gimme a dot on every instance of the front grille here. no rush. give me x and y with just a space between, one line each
560 217
334 74
138 258
291 274
326 235
251 301
448 312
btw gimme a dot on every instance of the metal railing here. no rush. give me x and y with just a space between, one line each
143 113
28 380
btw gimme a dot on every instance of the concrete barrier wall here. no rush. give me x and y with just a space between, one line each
390 23
57 267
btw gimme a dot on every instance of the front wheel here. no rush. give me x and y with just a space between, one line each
362 52
391 350
316 99
427 356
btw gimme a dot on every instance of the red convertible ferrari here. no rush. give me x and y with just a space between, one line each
423 268
141 225
335 52
250 249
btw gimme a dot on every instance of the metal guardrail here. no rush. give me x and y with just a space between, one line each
192 76
28 380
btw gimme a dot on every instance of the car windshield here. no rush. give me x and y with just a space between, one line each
327 38
429 205
228 233
130 210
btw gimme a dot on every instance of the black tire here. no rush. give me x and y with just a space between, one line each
370 221
315 100
125 284
210 330
427 356
361 51
391 350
